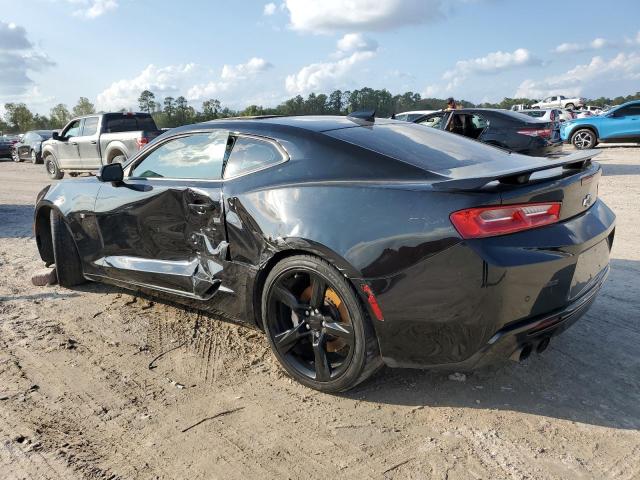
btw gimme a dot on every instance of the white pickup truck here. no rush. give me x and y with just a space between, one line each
87 143
560 101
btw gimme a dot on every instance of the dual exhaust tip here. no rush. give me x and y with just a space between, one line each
526 350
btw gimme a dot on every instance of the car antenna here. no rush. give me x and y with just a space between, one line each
366 115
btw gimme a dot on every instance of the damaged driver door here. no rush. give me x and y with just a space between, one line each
163 226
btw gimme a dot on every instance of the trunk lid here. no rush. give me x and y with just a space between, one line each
571 179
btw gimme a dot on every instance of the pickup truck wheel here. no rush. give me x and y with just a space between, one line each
52 168
584 138
569 106
116 157
65 253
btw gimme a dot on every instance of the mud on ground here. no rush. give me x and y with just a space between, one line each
78 399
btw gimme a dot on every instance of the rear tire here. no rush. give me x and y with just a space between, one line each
584 139
65 253
347 347
52 168
570 106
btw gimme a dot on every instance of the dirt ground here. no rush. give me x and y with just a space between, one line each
78 399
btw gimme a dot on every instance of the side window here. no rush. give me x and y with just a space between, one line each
249 154
73 130
90 126
197 156
434 121
402 117
478 122
628 111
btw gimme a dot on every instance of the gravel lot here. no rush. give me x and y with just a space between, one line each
78 400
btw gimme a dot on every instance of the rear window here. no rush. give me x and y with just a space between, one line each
126 123
536 113
426 148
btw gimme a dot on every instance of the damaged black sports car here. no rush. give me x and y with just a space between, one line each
353 242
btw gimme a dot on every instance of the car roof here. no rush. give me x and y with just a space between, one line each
417 111
314 123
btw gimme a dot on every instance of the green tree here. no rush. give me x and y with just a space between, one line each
18 116
210 109
169 107
83 107
59 116
147 102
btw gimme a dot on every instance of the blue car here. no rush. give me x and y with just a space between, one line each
620 124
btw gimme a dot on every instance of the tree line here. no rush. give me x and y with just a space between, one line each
171 112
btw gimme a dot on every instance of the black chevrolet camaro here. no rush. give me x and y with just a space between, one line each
352 242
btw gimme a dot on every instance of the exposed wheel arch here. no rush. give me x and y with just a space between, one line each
42 232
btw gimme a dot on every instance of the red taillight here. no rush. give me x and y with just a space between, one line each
536 132
373 303
499 220
142 142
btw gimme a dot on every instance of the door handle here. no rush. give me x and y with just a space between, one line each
93 142
74 143
201 208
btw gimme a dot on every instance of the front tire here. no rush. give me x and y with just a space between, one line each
570 106
15 156
52 168
584 139
65 253
35 158
317 326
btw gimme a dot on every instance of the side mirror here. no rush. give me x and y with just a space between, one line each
56 136
111 173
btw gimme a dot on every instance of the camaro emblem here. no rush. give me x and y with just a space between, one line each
586 201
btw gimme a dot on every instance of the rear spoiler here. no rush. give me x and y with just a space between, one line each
519 175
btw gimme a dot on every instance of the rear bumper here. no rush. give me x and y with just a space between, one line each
530 333
481 300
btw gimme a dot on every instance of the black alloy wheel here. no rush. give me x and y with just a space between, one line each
316 325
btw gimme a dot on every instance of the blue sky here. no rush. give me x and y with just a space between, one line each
262 52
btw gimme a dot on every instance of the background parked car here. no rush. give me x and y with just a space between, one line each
412 115
6 145
560 101
584 114
87 143
513 131
30 146
620 124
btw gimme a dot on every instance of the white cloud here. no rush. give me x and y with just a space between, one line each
591 76
633 41
568 48
492 63
269 9
364 15
197 81
352 49
163 81
242 71
91 9
356 42
595 44
18 59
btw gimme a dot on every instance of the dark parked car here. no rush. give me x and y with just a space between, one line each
30 147
6 145
353 243
512 131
